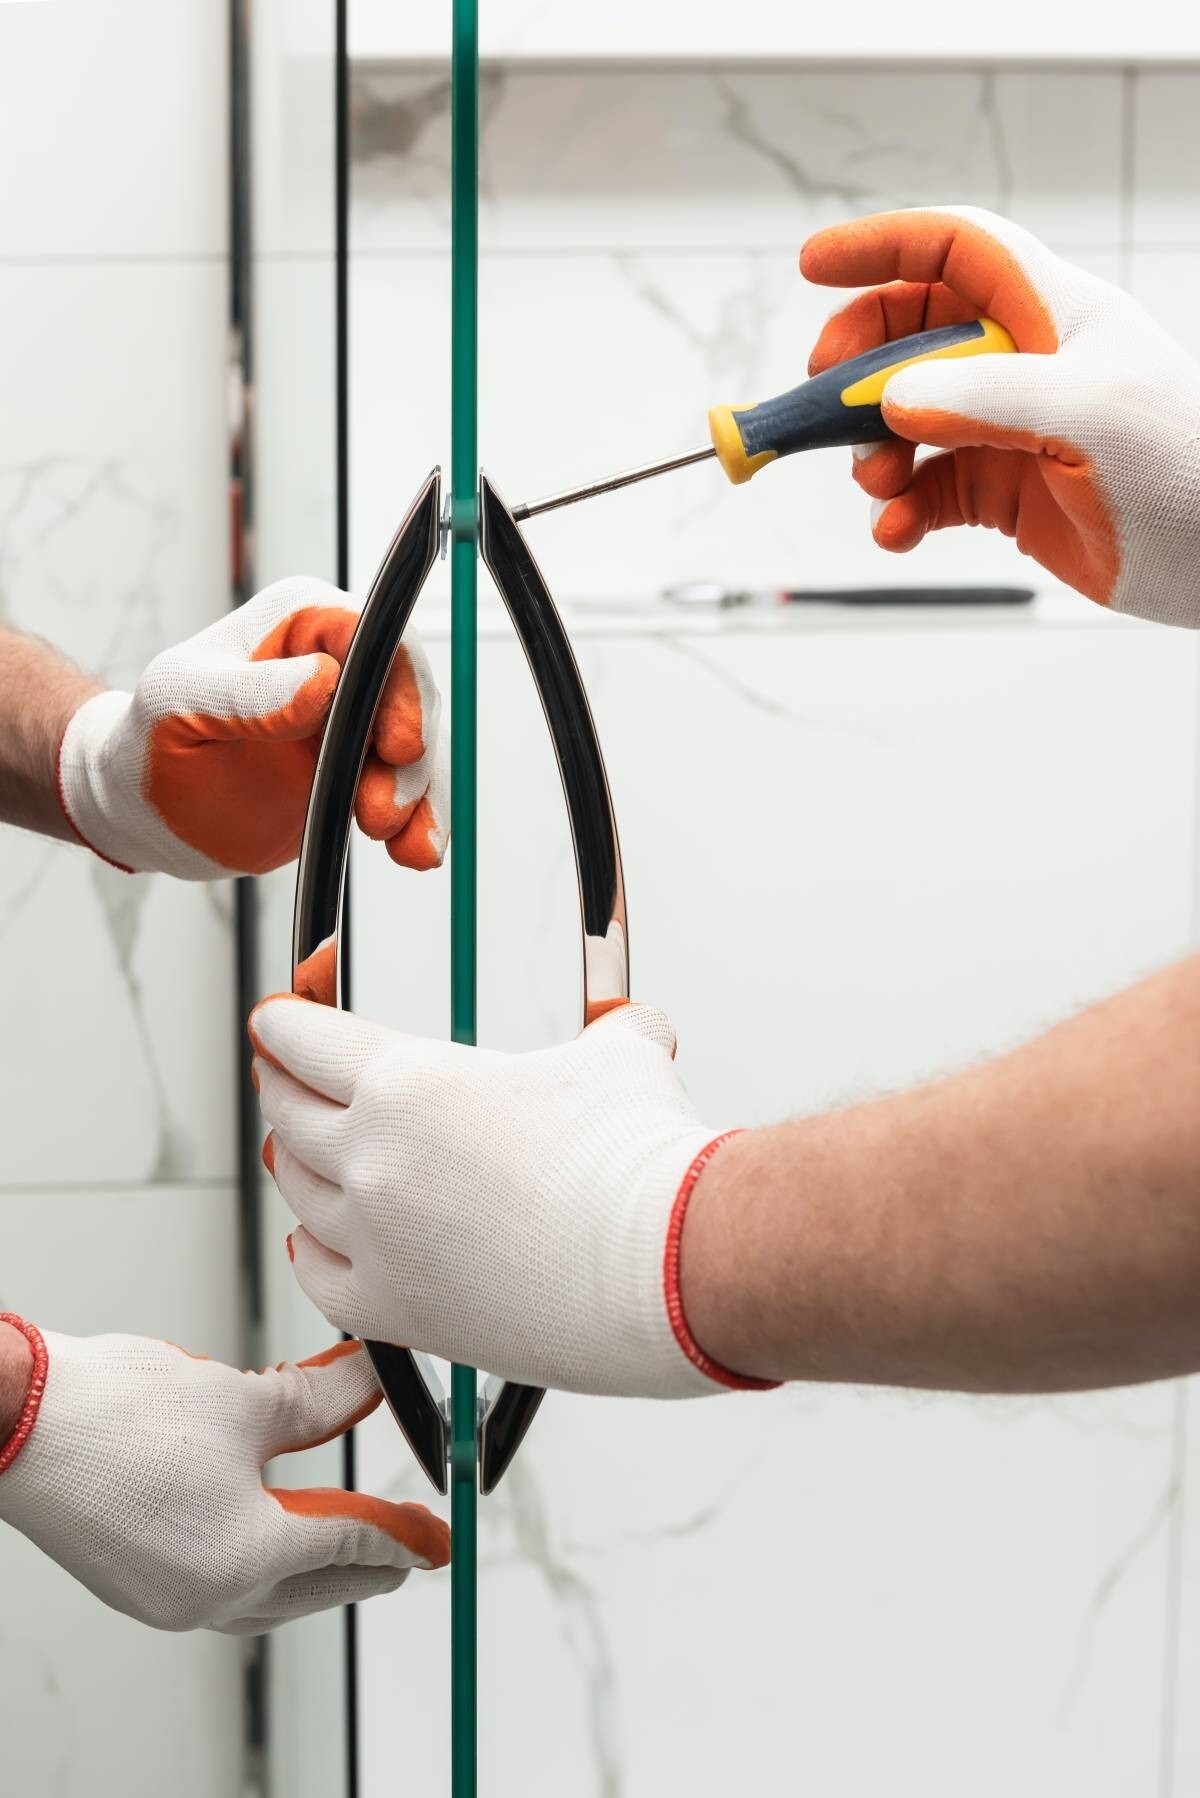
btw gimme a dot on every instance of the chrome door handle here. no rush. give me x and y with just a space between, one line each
507 1409
410 1386
409 1382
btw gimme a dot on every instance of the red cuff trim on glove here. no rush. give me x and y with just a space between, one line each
712 1370
33 1398
62 806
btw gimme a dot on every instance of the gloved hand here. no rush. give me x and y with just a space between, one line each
1086 448
521 1213
204 770
138 1468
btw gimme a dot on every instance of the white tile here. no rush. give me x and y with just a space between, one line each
152 1260
95 1703
1166 204
113 129
295 434
400 388
113 544
711 1597
989 845
923 876
1167 282
1064 185
292 157
1110 261
113 457
634 159
117 1058
92 1702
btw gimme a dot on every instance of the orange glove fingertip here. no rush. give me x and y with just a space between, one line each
897 525
375 810
261 1052
883 470
399 731
421 844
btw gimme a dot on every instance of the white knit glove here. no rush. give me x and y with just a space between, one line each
520 1213
138 1468
1085 448
205 768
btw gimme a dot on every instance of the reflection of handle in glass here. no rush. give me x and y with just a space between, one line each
408 1380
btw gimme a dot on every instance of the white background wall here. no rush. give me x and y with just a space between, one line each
858 852
117 1041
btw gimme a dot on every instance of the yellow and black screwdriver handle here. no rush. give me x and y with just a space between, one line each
843 404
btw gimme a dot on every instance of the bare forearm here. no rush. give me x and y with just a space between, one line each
39 693
1031 1225
16 1371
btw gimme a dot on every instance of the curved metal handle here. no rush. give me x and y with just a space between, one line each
507 1409
409 1384
413 1393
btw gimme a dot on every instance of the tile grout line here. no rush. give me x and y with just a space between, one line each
1128 188
582 252
12 1189
112 258
1177 1540
1173 1608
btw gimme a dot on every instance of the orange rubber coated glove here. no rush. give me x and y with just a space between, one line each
1085 447
205 768
138 1468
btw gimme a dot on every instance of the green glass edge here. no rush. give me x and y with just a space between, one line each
464 465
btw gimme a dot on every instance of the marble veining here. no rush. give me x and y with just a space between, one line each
769 704
526 1509
82 543
86 548
739 123
732 155
1158 1518
122 900
730 347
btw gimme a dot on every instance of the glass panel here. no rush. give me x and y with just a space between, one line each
291 497
639 230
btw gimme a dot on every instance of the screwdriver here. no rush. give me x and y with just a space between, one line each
841 406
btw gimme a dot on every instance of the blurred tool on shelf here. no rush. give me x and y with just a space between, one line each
717 596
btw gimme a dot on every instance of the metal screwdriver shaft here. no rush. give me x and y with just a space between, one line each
646 473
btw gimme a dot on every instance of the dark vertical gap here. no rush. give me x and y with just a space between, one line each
245 892
241 519
1127 198
1168 1752
342 376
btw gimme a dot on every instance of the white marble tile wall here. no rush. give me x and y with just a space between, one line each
117 1208
639 237
819 1591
